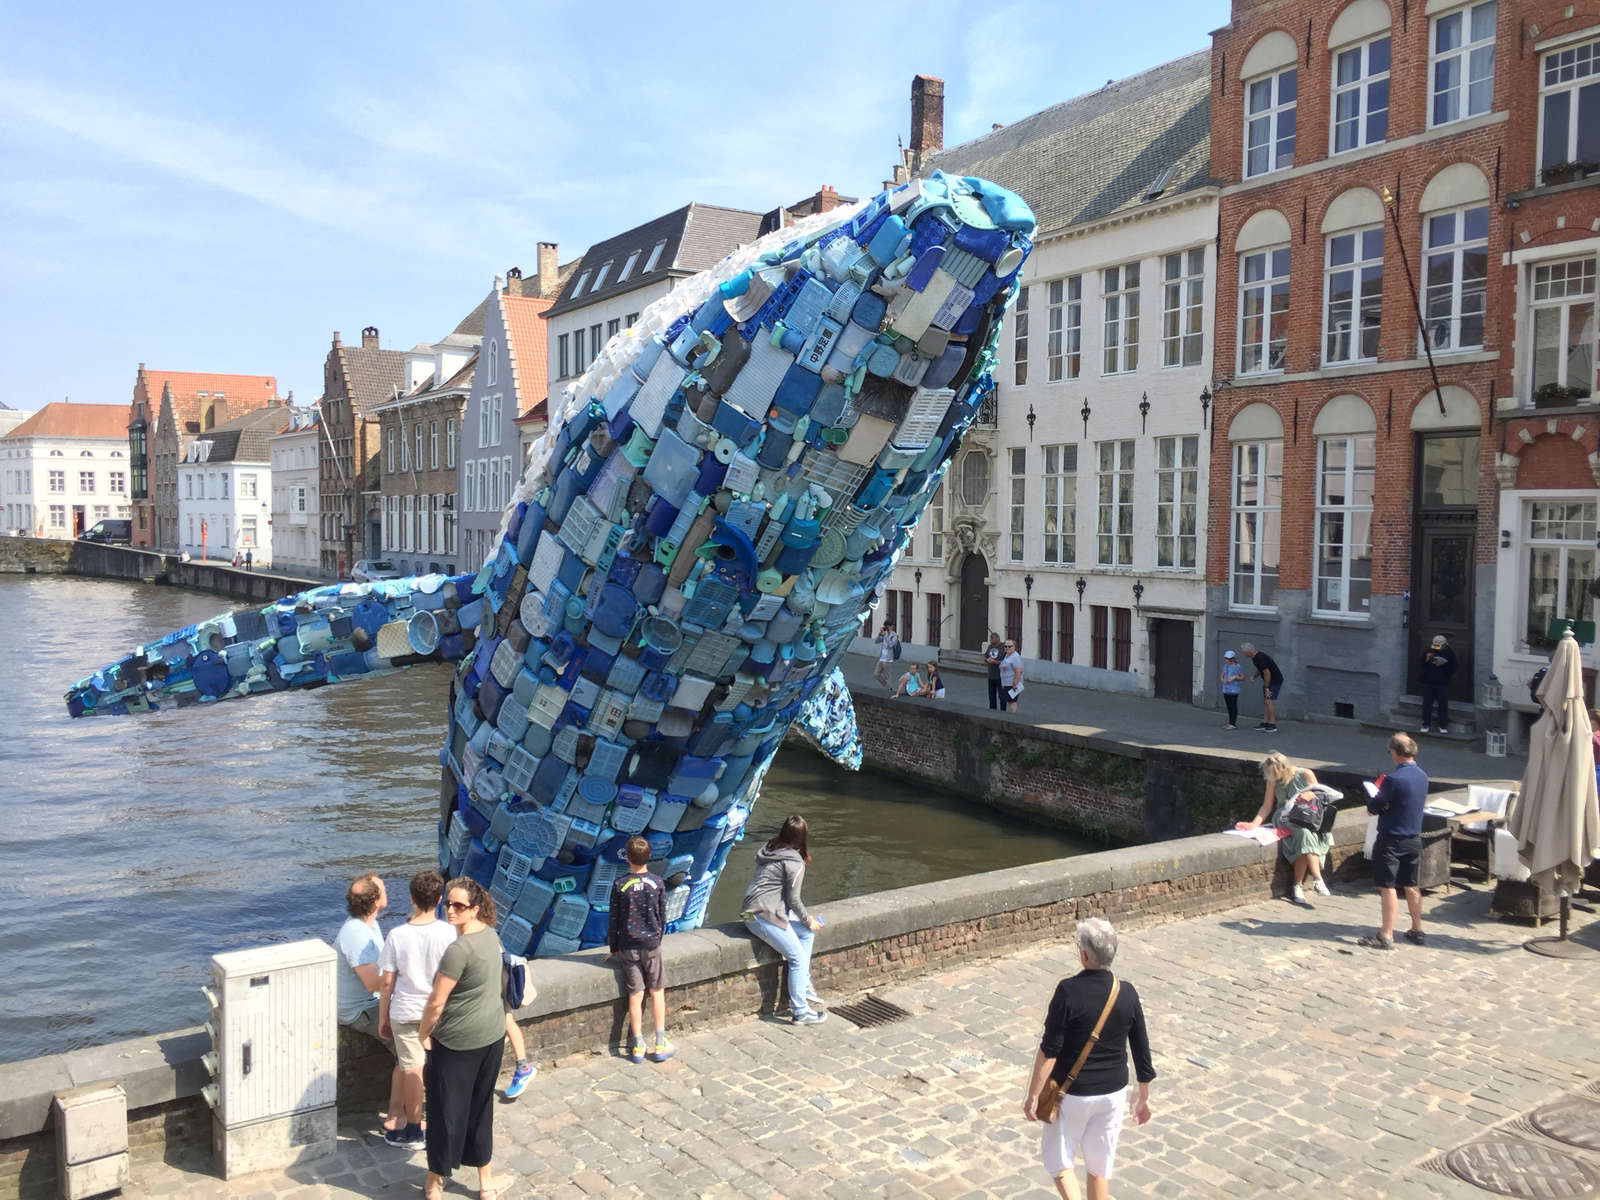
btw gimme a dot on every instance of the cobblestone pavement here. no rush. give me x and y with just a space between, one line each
1288 1058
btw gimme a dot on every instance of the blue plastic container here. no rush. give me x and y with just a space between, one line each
515 933
534 901
552 946
480 864
568 915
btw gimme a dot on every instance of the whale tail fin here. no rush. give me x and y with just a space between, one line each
326 635
828 720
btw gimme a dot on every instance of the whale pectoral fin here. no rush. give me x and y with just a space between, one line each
828 719
326 635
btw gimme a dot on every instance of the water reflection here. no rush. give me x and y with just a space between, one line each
137 848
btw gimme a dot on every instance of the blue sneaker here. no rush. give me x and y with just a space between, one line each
810 1017
519 1080
636 1051
664 1049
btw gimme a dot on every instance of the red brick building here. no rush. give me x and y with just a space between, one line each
355 380
1546 428
1357 141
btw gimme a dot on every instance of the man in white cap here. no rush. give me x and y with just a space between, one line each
1437 669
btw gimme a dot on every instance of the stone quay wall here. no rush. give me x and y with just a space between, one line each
714 975
1100 788
53 556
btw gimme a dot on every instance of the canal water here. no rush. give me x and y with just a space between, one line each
135 848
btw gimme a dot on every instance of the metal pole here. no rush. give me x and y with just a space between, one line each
1416 299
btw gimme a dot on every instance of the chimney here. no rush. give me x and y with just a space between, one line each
336 341
549 270
369 338
514 281
927 118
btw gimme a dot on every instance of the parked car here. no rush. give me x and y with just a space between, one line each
114 532
367 570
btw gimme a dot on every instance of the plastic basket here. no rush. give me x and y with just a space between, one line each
539 834
536 898
607 759
510 873
677 902
515 933
605 874
633 809
552 946
567 916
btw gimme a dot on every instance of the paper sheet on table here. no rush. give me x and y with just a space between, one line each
1372 788
1264 835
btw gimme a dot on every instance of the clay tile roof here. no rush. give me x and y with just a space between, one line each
243 393
244 439
1132 141
372 375
528 348
76 421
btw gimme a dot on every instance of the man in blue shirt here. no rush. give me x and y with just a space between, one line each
359 941
1398 806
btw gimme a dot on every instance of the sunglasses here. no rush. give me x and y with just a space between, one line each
457 906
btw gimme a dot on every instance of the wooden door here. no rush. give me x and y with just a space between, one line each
974 602
1172 647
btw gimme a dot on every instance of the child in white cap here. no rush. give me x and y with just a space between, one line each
1232 676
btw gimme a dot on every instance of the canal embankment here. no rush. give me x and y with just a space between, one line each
715 975
54 556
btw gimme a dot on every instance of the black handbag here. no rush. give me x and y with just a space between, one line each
1315 809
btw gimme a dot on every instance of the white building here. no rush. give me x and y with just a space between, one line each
64 468
10 418
225 488
296 530
1070 519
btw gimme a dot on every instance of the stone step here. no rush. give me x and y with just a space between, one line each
962 662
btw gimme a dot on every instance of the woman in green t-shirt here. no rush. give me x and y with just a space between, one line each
463 1028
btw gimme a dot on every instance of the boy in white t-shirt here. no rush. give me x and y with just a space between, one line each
406 965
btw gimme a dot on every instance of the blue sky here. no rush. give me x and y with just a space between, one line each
221 187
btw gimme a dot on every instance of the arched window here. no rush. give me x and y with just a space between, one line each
1255 506
493 368
1359 40
1263 249
975 479
1352 293
1271 92
1455 256
1347 447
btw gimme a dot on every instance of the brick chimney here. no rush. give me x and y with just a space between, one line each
549 270
369 338
336 340
927 118
513 281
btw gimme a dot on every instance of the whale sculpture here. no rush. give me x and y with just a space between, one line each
695 542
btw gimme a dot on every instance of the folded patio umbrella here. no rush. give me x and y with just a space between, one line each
1556 814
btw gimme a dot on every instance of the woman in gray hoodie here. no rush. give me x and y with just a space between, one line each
774 912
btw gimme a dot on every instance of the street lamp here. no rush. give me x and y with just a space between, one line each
1084 413
1032 417
1082 583
1138 592
1144 413
1205 405
917 575
1027 587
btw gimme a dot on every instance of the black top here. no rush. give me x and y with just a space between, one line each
1399 801
1266 667
1074 1009
991 659
1438 665
638 912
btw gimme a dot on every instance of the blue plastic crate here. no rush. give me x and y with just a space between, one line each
459 838
633 809
677 902
515 933
510 873
539 834
480 864
668 812
553 946
596 929
535 900
607 759
568 914
606 872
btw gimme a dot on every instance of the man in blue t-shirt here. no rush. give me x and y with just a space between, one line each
1398 806
359 943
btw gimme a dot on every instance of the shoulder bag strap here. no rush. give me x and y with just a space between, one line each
1094 1036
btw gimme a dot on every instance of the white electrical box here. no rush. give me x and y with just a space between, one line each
274 1053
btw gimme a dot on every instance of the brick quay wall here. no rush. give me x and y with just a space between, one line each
53 556
715 975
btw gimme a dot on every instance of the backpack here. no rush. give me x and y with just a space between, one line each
894 648
514 980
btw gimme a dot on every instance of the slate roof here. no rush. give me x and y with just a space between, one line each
242 393
528 347
61 420
693 238
371 376
471 325
244 439
1100 153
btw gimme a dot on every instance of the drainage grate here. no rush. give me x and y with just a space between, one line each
870 1012
1576 1122
1516 1168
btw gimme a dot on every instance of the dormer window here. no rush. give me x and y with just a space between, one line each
583 281
655 256
600 276
627 267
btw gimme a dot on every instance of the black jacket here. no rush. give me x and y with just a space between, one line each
1074 1009
1438 665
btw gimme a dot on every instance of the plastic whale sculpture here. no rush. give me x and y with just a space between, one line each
693 546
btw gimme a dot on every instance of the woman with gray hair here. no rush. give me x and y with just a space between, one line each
1093 1021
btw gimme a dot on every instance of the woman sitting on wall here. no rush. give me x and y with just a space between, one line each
1302 847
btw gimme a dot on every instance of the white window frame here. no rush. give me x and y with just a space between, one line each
627 267
58 482
655 256
483 485
247 485
418 454
1566 302
1119 289
433 445
1578 516
1269 287
119 481
1183 307
1361 88
1115 461
492 371
599 279
405 449
1455 291
1268 533
1019 338
1569 70
86 482
1017 523
1270 119
936 525
388 454
1460 60
1366 295
1064 343
58 516
469 481
1059 501
450 443
1345 514
1177 503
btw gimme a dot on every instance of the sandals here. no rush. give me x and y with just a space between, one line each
1376 942
495 1190
1416 937
433 1191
